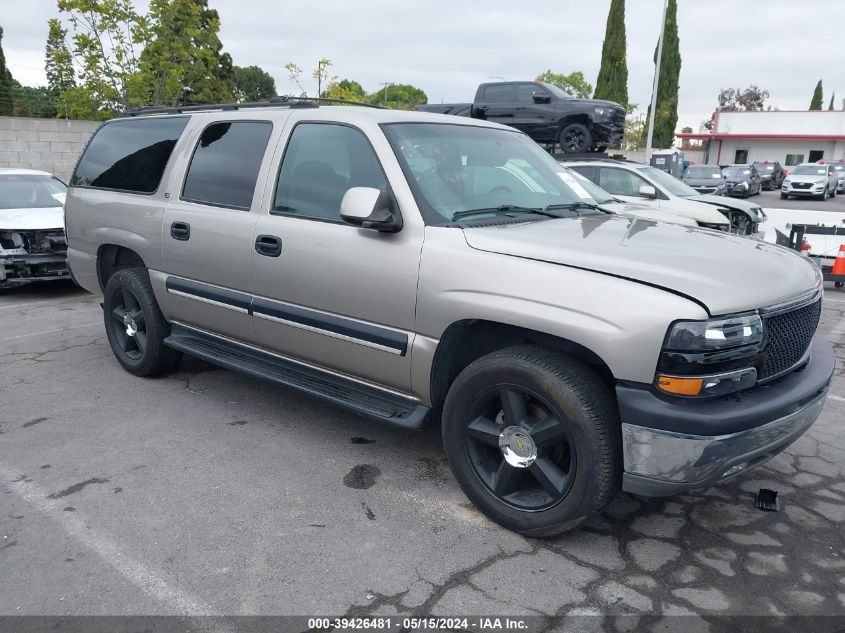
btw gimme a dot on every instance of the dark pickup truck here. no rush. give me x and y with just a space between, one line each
544 112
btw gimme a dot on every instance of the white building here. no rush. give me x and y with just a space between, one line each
790 137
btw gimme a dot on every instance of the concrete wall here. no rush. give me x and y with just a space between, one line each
774 149
52 145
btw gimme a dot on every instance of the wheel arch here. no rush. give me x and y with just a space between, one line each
576 117
113 257
465 341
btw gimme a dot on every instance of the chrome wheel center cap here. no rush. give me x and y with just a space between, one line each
129 323
517 447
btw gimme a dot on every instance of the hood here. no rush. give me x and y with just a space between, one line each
703 182
32 219
725 273
597 103
813 178
752 208
691 207
646 212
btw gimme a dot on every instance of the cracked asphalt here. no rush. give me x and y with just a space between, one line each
204 492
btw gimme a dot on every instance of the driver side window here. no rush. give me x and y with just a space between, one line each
322 162
620 182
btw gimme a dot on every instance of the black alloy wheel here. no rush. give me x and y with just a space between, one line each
520 448
575 138
128 325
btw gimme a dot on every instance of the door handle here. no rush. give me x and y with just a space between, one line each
268 245
180 231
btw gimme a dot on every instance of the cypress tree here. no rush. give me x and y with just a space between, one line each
832 99
7 105
666 115
816 102
612 82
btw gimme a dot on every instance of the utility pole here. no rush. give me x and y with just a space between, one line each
656 80
386 85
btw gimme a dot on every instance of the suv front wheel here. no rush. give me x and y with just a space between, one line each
534 440
135 326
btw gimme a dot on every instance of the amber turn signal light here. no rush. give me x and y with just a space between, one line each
680 386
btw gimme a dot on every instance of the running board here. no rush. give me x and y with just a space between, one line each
358 398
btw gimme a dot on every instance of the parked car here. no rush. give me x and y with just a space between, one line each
546 113
414 268
635 182
706 179
771 174
32 236
839 170
742 181
607 202
810 180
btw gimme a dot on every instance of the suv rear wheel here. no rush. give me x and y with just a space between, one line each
575 138
135 326
533 438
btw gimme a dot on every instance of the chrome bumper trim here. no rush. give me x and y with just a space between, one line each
661 462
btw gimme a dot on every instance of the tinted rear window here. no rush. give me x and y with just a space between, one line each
129 155
225 165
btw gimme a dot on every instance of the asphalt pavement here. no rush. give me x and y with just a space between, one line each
204 492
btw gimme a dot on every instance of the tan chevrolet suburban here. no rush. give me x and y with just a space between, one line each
418 268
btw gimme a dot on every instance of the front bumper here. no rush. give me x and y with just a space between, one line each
670 446
21 268
607 132
814 191
738 190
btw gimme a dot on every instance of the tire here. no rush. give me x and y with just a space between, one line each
575 138
784 196
577 469
129 305
824 194
838 284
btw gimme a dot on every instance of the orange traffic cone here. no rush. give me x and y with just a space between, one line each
839 262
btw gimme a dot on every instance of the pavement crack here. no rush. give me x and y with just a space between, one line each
77 487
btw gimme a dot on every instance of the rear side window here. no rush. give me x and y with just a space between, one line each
224 168
498 94
129 155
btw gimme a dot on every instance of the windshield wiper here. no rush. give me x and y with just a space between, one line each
576 207
502 209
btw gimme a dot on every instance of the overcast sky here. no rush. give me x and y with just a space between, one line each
446 47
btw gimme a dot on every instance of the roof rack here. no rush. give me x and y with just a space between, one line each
275 102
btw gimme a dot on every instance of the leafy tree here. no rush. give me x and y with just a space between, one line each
321 73
816 102
612 82
345 89
37 102
108 36
832 99
399 96
252 83
666 115
572 84
58 60
633 138
751 99
183 62
6 99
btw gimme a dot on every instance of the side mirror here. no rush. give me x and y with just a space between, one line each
370 208
647 191
542 98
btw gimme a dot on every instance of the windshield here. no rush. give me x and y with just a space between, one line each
704 171
737 172
456 168
764 167
668 182
560 94
809 170
30 191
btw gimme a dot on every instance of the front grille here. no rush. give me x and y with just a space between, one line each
801 185
788 337
705 189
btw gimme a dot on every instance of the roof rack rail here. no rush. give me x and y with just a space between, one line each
275 102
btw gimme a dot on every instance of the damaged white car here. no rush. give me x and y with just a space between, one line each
32 234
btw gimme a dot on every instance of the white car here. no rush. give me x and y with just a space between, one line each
643 184
839 170
642 211
32 234
810 180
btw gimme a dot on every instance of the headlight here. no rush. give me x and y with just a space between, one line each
745 185
715 334
599 110
787 182
710 358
